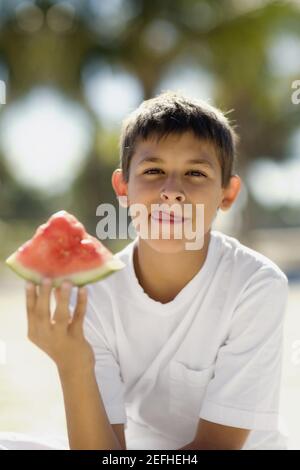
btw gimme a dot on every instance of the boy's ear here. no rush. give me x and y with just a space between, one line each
231 192
120 187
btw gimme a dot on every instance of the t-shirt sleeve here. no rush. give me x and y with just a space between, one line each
107 369
245 389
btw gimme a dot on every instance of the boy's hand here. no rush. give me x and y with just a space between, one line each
61 337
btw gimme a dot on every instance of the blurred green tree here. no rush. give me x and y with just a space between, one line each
46 42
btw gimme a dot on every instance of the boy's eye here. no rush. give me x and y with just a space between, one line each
147 172
198 173
152 171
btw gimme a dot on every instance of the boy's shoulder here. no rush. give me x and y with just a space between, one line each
235 261
245 258
241 258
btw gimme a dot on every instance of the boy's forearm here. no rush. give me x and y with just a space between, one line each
87 421
189 446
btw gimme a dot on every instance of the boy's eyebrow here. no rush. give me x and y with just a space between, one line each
154 159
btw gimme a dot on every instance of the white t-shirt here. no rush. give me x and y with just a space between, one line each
214 351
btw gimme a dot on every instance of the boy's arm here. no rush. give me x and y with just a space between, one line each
213 436
61 337
248 366
87 421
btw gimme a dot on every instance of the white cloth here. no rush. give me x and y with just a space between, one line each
33 441
214 351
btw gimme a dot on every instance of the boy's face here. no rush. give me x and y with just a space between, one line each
173 180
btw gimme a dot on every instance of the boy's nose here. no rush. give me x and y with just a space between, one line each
172 195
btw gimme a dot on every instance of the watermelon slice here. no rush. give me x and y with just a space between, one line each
62 249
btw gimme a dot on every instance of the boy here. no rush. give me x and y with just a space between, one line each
181 349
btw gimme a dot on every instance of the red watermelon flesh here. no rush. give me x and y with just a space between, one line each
62 249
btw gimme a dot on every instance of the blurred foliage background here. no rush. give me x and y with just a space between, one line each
70 72
74 69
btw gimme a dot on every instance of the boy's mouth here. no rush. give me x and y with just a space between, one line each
167 217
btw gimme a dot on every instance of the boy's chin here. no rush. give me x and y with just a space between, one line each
167 246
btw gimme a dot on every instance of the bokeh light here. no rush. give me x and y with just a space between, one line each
111 92
45 139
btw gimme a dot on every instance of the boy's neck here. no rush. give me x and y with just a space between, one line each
163 276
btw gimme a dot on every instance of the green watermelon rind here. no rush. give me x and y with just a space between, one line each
80 278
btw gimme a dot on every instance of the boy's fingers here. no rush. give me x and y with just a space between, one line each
63 298
80 308
31 297
57 294
43 300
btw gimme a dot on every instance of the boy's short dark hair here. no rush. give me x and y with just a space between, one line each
173 113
